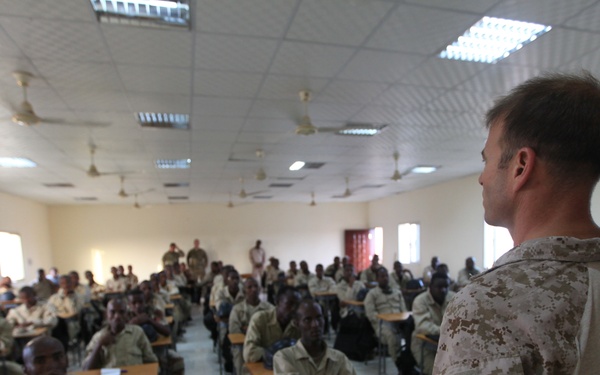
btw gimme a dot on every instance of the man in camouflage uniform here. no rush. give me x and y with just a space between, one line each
172 255
535 311
197 261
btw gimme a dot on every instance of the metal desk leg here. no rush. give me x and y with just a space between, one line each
379 350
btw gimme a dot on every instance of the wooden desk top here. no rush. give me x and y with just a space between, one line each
325 294
421 336
145 369
394 317
245 276
258 368
237 338
66 316
34 333
162 341
170 306
353 302
175 297
169 319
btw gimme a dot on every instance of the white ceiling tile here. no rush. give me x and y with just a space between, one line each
586 20
249 17
351 92
224 52
145 46
71 74
420 30
147 79
589 62
374 114
94 100
333 112
58 9
50 39
547 12
288 87
226 84
202 137
285 109
170 103
499 78
218 123
407 96
436 72
269 125
7 47
380 66
208 106
337 21
460 101
310 60
474 6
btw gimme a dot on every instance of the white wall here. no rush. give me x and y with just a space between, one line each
139 237
30 220
451 218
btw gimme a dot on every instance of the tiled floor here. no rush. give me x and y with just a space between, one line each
196 348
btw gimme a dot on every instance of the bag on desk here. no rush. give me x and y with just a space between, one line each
150 332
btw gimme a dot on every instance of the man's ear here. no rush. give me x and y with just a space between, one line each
522 167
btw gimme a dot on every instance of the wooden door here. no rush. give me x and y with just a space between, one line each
359 246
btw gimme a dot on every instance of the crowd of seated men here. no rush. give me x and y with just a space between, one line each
233 306
117 323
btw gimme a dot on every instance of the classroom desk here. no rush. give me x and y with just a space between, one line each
236 338
169 319
30 334
352 302
258 368
169 306
175 297
67 316
162 341
145 369
389 318
428 343
245 276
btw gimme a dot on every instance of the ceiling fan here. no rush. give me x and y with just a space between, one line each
136 203
306 126
93 171
242 194
122 193
24 115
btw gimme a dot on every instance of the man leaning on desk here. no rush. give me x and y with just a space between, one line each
119 344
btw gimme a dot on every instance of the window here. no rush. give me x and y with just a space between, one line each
409 243
496 242
11 256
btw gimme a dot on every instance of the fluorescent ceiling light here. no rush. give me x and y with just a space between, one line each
297 165
493 39
423 169
163 120
361 130
173 163
153 13
17 163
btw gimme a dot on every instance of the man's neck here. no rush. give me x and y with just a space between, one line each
253 302
315 348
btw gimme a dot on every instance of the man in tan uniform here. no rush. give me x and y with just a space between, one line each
311 355
172 255
119 344
268 327
45 355
384 299
347 290
257 260
428 311
197 261
240 318
6 345
536 310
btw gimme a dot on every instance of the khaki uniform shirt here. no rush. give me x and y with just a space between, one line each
116 286
302 279
131 280
264 331
378 302
171 257
396 282
535 312
242 313
368 275
295 360
43 289
130 348
339 275
84 293
225 297
345 292
59 304
316 285
197 261
38 314
218 283
465 275
428 317
6 339
271 274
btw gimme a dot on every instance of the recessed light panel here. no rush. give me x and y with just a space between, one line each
361 130
492 39
163 120
17 163
147 13
424 169
297 166
173 163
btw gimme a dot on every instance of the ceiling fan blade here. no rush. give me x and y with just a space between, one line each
256 193
91 124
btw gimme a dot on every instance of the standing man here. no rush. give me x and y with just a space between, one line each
536 310
172 255
257 260
197 261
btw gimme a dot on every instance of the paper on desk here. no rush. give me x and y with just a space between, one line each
110 371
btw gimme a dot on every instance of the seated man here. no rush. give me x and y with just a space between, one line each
399 277
83 291
430 270
118 344
310 355
66 305
332 269
30 314
428 311
45 355
324 284
240 317
384 300
116 284
369 275
348 288
339 274
96 289
227 298
290 274
153 322
6 345
268 327
465 274
43 287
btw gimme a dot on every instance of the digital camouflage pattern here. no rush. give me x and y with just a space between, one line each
532 313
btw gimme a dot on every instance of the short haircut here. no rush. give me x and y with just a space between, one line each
558 116
438 275
306 301
27 290
286 289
